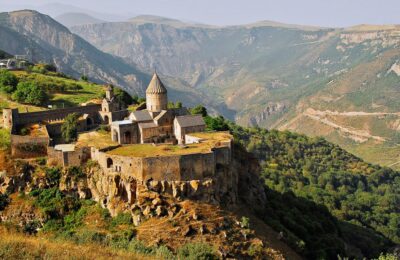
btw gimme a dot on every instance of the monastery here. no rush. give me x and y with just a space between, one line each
155 143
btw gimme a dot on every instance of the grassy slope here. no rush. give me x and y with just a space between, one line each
18 246
68 97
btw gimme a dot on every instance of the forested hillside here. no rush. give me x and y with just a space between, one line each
324 200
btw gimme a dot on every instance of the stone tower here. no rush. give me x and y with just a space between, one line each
156 95
109 93
10 117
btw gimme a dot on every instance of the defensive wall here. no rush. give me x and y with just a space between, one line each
196 166
13 118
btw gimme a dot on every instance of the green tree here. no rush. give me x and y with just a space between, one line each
69 129
122 97
8 81
199 110
30 93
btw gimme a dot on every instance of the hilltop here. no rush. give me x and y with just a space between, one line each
74 19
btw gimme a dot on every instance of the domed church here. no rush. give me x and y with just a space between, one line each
156 123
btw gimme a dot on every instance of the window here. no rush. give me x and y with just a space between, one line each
109 162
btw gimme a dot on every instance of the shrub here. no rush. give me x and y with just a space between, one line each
245 222
24 131
41 161
4 201
196 251
199 110
31 227
8 81
138 247
5 139
30 93
69 129
76 172
163 252
122 219
53 176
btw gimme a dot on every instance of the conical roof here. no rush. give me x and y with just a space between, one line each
156 86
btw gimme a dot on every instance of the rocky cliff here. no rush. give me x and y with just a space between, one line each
171 213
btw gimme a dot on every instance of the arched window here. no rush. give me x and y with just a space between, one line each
106 120
89 121
109 162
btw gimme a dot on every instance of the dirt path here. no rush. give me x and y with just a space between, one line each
358 135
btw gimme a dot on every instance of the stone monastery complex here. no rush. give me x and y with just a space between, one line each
152 144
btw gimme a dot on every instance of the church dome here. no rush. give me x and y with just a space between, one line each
156 86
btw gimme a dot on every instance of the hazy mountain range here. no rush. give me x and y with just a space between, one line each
339 83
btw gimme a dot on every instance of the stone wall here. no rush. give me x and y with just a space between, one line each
54 115
68 159
28 146
166 168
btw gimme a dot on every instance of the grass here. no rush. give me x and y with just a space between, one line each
97 139
64 92
145 150
18 246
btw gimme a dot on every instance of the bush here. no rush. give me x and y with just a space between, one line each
199 110
76 172
5 139
29 93
4 201
138 247
122 219
25 131
122 97
196 251
8 81
31 227
245 222
53 176
41 161
163 252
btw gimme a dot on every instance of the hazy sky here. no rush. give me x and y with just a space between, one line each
338 13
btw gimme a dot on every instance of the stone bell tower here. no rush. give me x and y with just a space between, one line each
156 95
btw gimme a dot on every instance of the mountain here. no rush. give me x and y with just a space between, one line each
341 83
73 19
4 55
58 9
43 39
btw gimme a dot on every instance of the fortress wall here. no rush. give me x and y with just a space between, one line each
223 155
197 166
57 114
129 166
28 147
161 168
165 168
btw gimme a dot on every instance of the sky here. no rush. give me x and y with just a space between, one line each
326 13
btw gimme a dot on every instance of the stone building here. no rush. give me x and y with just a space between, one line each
156 123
